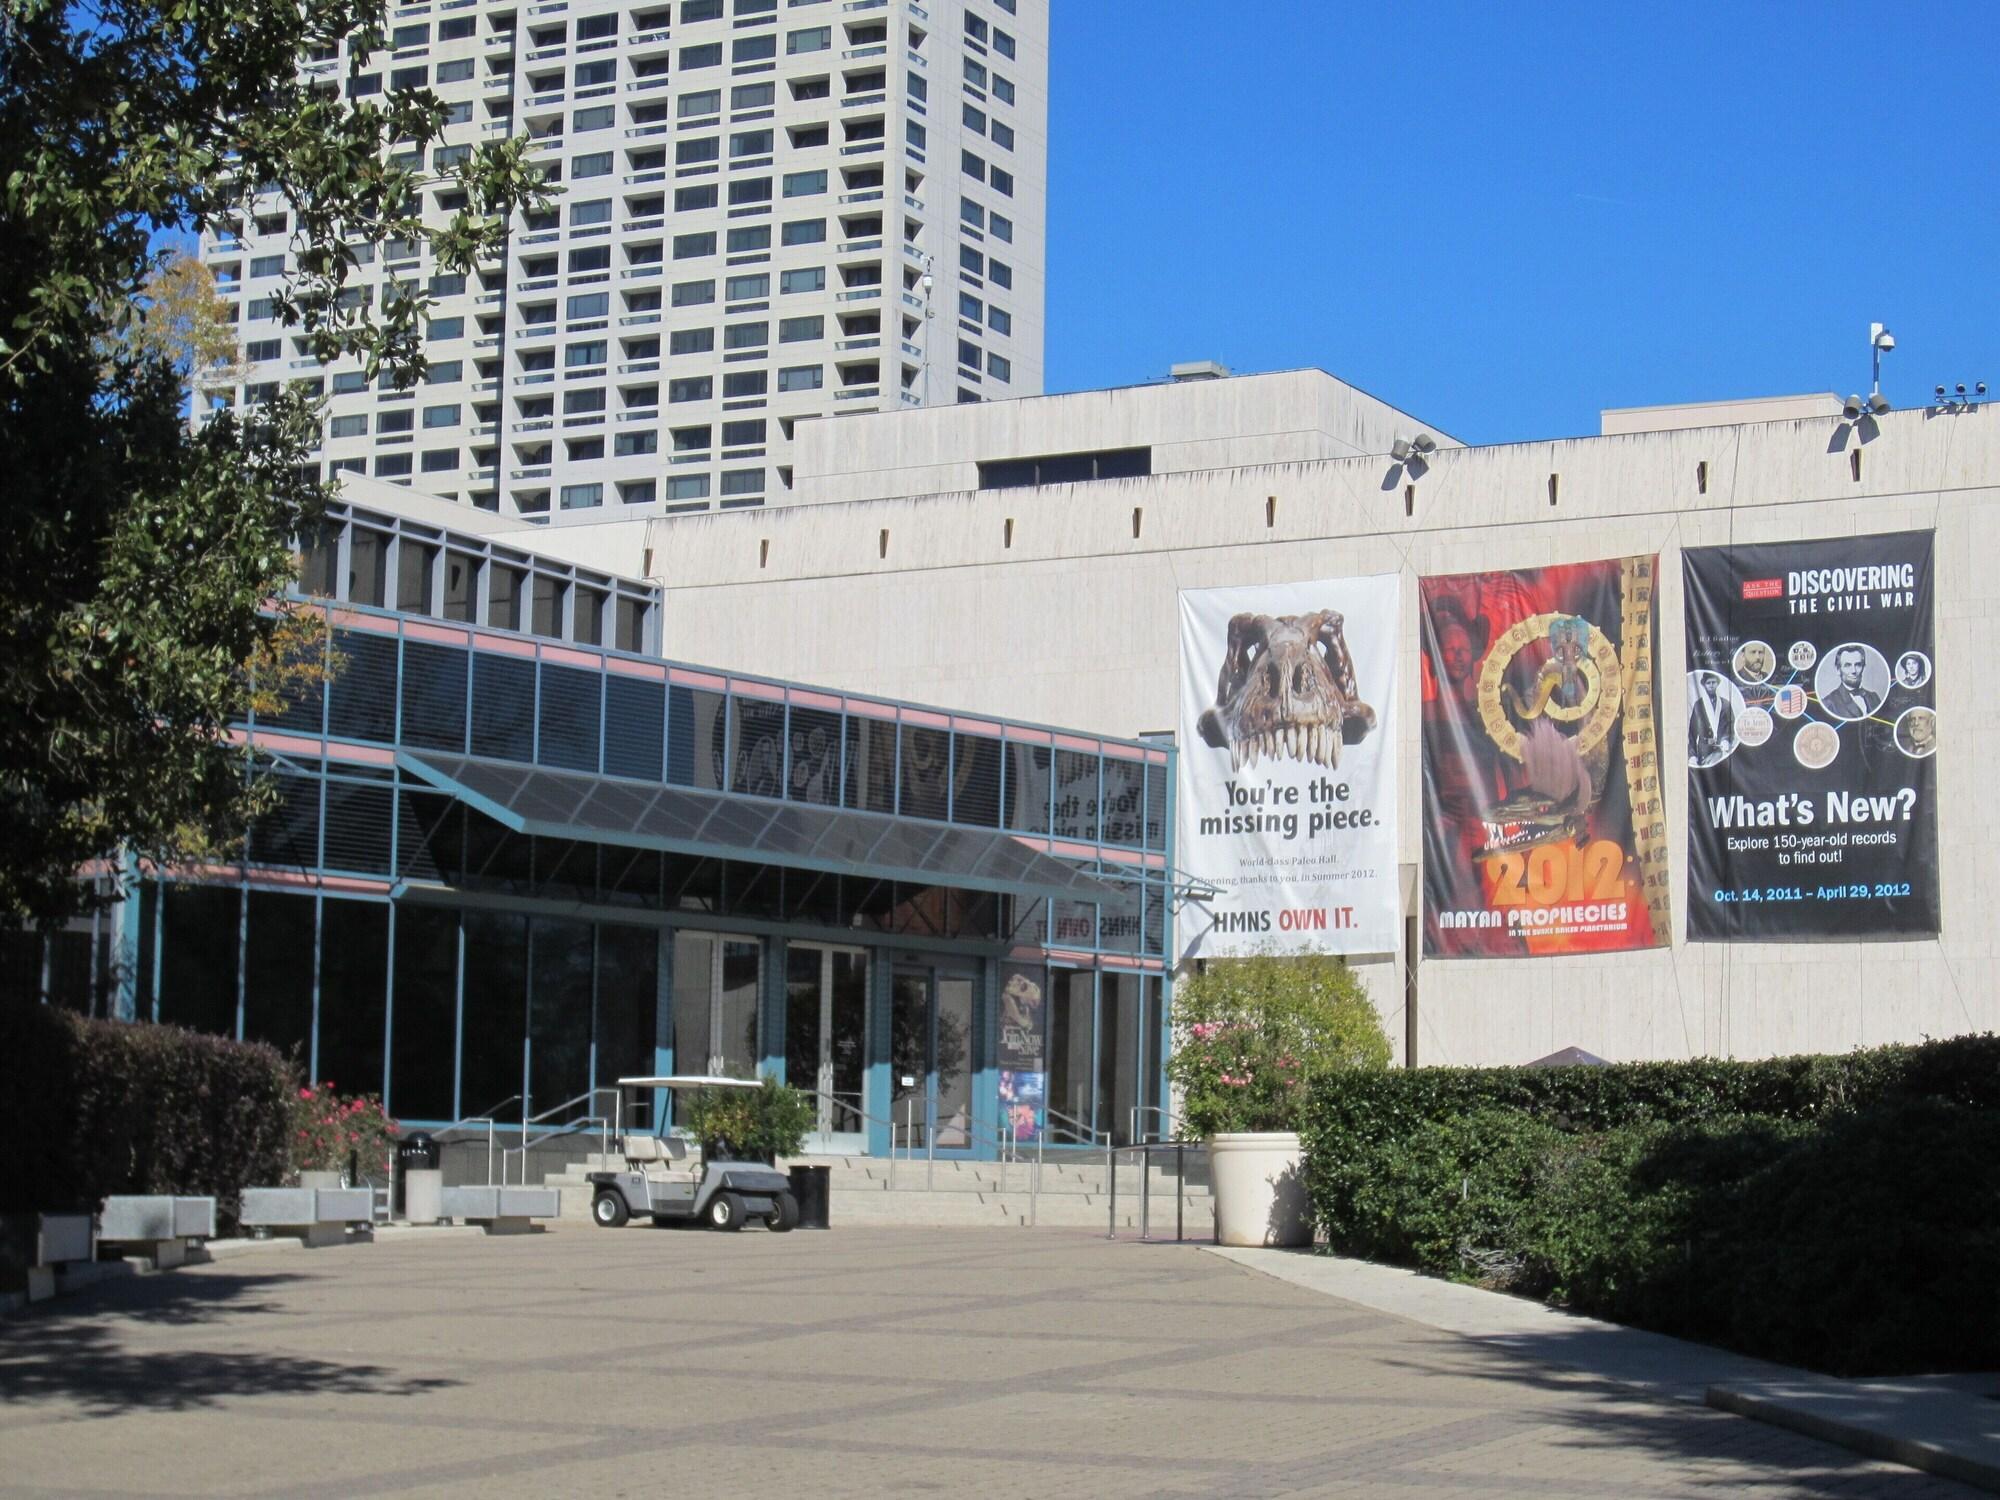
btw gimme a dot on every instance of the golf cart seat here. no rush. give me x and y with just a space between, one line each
655 1156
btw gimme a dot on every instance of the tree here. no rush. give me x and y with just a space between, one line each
180 319
1251 1034
139 555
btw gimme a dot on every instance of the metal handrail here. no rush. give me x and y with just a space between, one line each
1085 1135
528 1144
568 1127
486 1119
1168 1119
1145 1150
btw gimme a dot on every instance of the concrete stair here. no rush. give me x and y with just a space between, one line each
1073 1193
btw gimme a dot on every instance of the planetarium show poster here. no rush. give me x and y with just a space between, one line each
1812 739
1287 787
1544 828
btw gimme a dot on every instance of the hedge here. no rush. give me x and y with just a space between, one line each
1836 1212
90 1108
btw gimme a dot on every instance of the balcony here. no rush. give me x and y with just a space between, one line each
858 393
861 294
638 366
874 342
877 49
867 195
851 245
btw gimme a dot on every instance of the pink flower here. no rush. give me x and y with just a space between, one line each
305 1093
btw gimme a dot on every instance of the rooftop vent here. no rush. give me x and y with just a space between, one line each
1200 369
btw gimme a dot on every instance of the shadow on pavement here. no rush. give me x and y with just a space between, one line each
1602 1414
87 1354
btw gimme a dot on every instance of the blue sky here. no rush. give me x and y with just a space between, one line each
1503 218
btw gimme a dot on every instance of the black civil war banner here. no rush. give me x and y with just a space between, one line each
1812 740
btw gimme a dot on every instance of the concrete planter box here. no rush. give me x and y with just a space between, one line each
502 1210
161 1221
64 1237
34 1246
318 1216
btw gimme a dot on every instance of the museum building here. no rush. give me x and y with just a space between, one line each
517 854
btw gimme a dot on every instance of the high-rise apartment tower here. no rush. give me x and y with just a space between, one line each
773 211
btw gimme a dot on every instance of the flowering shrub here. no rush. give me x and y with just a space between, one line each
1251 1033
327 1131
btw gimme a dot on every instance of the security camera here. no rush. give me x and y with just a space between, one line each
1880 337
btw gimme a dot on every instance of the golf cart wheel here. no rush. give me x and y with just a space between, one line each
608 1211
784 1216
725 1211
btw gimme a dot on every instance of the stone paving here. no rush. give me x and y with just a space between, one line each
860 1362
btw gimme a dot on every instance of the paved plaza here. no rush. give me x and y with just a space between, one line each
860 1362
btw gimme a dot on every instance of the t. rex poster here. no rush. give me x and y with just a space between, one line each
1812 732
1287 793
1544 831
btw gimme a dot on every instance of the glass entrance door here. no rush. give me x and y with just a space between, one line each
930 1060
826 1039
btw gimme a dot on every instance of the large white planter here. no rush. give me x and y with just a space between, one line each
1260 1189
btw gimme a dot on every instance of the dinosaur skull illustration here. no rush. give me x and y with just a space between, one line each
1287 689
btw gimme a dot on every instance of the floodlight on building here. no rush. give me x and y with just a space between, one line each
1878 404
1851 408
1425 444
1401 449
1961 399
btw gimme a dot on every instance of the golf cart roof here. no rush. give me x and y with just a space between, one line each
690 1081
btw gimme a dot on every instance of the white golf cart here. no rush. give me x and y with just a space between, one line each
665 1177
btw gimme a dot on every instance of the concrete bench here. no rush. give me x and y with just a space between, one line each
39 1246
502 1210
315 1216
157 1226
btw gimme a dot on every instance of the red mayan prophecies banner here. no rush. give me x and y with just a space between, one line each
1544 832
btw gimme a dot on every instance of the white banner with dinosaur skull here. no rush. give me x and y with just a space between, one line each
1287 790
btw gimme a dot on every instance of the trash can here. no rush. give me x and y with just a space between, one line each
813 1187
419 1182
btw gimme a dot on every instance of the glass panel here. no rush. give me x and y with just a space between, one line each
847 1044
628 986
815 745
926 772
198 959
802 1018
503 707
1070 1053
1028 788
459 572
413 576
547 618
909 1056
353 995
695 738
758 754
1124 801
503 596
570 714
694 964
1076 795
736 1015
433 696
496 981
1118 1048
364 688
367 565
634 726
1151 1031
423 1044
359 817
559 1012
954 1064
871 765
278 973
1156 807
975 780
